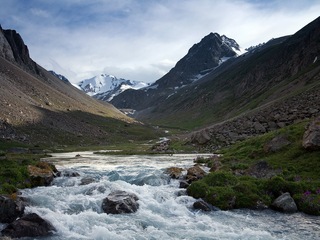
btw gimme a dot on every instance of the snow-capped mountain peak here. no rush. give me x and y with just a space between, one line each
106 86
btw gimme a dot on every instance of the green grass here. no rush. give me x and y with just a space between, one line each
13 171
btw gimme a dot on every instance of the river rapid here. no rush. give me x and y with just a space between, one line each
165 212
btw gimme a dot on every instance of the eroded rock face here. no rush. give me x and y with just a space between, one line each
311 137
120 202
9 209
285 203
30 225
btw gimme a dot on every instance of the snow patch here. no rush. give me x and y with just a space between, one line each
315 59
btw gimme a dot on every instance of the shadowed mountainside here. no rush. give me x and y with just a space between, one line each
37 107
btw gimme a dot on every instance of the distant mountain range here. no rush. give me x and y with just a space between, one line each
105 87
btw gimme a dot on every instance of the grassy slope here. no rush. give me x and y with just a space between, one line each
299 174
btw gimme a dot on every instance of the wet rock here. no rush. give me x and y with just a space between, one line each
41 175
202 205
285 203
311 137
174 172
120 202
184 184
276 144
195 173
87 180
70 174
30 225
10 210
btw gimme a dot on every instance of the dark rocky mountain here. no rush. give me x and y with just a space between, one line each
61 77
201 59
38 108
280 69
15 47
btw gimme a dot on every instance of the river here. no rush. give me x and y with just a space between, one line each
164 212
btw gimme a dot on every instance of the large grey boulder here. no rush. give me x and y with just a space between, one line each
120 202
30 225
200 137
285 203
311 137
9 209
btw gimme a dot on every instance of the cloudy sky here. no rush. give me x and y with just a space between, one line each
142 39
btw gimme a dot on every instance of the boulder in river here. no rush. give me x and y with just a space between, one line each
195 173
174 172
202 205
120 202
42 174
10 210
30 225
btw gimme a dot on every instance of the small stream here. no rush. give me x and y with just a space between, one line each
165 212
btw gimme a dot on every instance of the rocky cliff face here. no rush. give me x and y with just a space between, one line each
20 51
5 49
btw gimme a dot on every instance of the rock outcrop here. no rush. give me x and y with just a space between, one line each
10 210
311 138
30 225
20 51
120 202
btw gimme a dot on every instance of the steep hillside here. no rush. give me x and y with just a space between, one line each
278 70
38 108
201 59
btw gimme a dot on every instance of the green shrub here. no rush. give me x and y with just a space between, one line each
221 179
7 188
277 185
221 197
247 194
308 202
198 189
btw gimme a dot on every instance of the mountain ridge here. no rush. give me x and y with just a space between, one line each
200 59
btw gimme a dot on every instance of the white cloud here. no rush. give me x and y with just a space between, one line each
142 40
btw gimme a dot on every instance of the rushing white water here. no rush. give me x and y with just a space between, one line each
164 212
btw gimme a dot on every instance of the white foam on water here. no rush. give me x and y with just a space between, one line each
75 210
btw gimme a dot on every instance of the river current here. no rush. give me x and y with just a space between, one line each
165 212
